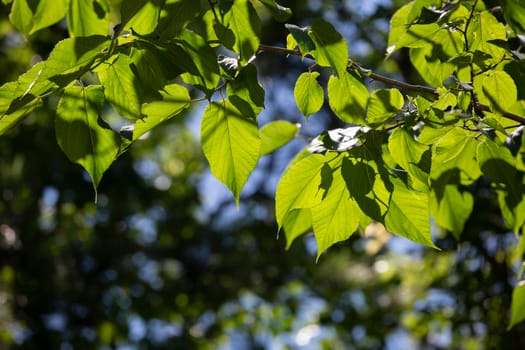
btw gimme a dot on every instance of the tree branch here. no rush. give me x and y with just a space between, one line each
378 77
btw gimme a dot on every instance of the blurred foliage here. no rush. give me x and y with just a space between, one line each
153 265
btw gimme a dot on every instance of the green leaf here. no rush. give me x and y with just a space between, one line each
29 16
309 95
88 17
48 13
19 98
431 69
446 99
409 214
175 99
383 105
496 89
231 143
176 15
299 186
243 21
331 49
484 28
140 15
82 134
300 34
246 92
398 26
408 153
514 11
364 174
456 149
72 57
121 86
276 134
499 165
280 13
348 97
296 223
204 60
449 206
517 313
337 216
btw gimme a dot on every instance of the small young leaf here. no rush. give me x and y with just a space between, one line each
331 49
383 105
121 86
231 143
348 97
300 34
87 18
276 134
309 95
82 134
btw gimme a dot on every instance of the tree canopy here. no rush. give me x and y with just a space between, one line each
409 155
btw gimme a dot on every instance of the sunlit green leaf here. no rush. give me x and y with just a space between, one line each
456 149
296 223
409 214
29 16
348 97
175 99
408 153
276 134
431 69
450 206
299 186
517 313
203 58
72 57
309 95
484 28
496 89
231 143
82 134
246 92
243 21
383 105
331 49
121 86
88 17
140 15
337 216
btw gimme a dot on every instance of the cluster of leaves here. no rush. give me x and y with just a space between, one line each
407 155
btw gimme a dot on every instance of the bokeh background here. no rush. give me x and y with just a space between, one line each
165 260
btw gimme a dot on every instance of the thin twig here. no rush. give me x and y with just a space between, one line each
378 77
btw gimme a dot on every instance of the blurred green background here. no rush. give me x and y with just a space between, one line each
164 259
